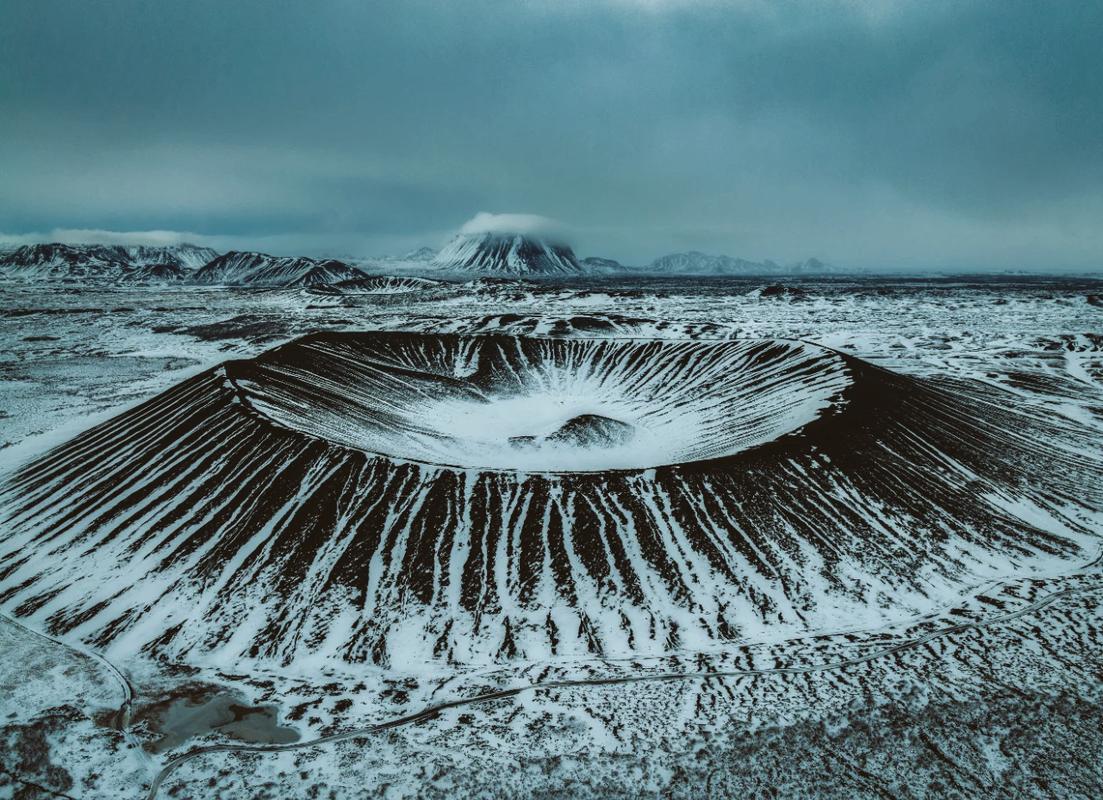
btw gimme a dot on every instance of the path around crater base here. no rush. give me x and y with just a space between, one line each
120 720
432 711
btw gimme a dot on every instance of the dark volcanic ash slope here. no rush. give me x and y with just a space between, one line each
472 499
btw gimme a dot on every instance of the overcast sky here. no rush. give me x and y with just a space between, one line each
873 134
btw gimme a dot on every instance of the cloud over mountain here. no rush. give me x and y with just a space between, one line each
524 224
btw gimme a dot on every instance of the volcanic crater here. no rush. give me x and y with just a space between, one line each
411 499
541 405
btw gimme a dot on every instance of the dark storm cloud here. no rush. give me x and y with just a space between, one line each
882 133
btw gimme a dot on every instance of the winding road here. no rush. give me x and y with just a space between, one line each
121 719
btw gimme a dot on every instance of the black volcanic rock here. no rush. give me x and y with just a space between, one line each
780 290
593 430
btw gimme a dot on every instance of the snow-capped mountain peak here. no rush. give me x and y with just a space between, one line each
495 253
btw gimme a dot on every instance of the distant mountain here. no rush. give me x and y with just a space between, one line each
185 256
813 266
507 254
418 260
424 254
61 261
598 265
101 262
328 271
259 269
697 263
159 273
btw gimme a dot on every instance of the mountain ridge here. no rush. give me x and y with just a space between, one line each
54 261
241 268
694 262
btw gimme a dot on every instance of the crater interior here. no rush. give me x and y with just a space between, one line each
542 405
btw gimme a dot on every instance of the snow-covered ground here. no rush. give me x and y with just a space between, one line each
995 691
